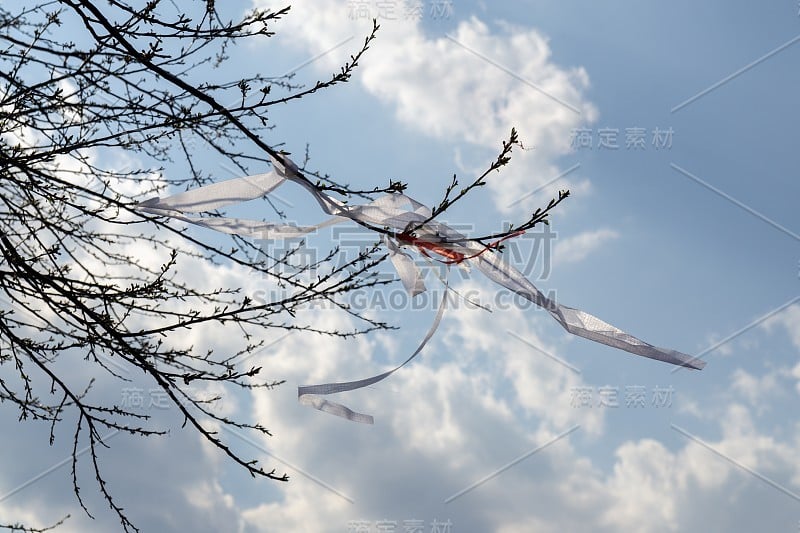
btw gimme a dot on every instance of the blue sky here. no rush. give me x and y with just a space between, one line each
641 244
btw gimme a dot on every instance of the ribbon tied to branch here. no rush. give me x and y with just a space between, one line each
407 224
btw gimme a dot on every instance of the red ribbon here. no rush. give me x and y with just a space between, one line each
454 257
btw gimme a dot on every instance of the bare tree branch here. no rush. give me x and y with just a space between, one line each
83 83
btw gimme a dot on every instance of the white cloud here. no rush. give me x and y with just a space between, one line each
577 247
789 320
758 390
436 420
435 435
644 475
476 400
796 375
470 86
164 483
445 422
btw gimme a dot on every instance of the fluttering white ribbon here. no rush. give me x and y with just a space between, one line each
398 213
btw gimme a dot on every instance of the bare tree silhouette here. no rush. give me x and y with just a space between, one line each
82 78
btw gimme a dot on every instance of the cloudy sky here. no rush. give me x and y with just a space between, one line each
675 127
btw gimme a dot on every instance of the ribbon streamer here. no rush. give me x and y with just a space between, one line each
398 213
309 394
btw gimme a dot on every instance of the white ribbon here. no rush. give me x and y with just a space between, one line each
310 394
397 212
